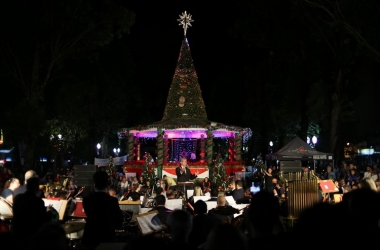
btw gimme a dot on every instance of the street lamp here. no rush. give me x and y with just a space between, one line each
98 146
314 140
116 151
270 147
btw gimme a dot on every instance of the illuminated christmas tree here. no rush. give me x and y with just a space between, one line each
110 169
149 170
185 95
219 176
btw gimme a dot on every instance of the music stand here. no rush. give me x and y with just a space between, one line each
149 222
184 185
328 186
59 205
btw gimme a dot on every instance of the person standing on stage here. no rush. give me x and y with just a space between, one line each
183 172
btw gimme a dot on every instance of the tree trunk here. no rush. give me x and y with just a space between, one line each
336 107
105 147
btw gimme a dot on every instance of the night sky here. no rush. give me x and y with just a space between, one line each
156 40
219 59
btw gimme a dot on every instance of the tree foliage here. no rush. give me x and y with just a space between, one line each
40 38
305 78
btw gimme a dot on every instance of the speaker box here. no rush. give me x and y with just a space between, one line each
83 174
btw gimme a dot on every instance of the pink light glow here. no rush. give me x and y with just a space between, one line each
183 134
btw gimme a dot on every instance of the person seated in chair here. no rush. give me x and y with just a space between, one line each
247 197
206 185
223 212
170 194
238 193
163 212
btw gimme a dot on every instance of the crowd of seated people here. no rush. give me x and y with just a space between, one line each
260 224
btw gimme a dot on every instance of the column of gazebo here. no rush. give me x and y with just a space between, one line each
231 149
130 147
209 150
160 151
202 152
166 148
238 146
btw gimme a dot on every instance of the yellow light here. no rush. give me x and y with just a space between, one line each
1 136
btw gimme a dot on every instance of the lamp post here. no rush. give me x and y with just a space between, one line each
98 146
270 151
116 151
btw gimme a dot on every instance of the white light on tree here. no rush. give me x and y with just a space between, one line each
308 140
314 139
59 137
271 143
98 146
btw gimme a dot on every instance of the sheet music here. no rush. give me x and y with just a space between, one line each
174 204
230 200
56 204
203 198
149 223
210 205
239 206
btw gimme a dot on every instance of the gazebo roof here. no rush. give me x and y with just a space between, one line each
186 128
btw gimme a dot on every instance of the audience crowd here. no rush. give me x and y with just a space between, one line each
261 225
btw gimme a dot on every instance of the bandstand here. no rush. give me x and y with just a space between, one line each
184 128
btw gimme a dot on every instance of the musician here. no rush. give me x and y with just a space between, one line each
170 194
238 193
163 212
223 212
202 224
112 193
22 189
206 185
147 188
123 186
183 172
29 211
171 184
9 187
125 195
103 214
268 180
135 192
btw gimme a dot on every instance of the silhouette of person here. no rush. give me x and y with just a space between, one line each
103 214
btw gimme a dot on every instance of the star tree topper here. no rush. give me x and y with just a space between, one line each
185 20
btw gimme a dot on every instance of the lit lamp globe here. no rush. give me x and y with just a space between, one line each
314 139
